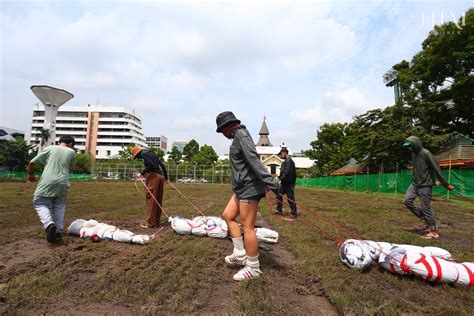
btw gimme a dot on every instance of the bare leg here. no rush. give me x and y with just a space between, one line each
230 214
248 215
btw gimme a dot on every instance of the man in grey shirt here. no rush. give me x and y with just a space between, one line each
51 193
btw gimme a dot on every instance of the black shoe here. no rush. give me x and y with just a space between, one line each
294 215
51 233
277 212
59 237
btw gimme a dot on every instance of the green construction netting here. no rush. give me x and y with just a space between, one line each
22 175
462 180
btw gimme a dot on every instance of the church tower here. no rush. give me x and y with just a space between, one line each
264 140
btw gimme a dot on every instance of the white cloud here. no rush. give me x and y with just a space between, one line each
194 122
181 63
334 106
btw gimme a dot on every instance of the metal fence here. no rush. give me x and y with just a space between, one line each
176 173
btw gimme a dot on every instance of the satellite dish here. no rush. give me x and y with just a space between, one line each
52 98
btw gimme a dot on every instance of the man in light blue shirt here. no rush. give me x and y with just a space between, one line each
51 193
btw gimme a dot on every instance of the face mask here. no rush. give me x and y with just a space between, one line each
229 131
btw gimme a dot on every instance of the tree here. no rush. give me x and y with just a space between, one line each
124 153
190 149
330 150
157 151
83 163
175 155
15 154
205 156
438 83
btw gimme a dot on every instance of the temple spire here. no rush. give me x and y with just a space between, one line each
264 140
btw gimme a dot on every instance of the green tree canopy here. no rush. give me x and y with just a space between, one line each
330 149
205 156
157 151
190 149
124 153
83 163
438 83
15 154
175 155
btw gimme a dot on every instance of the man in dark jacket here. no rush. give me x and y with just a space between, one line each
425 169
155 177
287 178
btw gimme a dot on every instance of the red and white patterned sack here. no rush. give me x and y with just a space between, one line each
431 268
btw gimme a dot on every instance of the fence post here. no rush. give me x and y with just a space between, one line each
396 178
367 175
354 179
449 177
222 174
213 171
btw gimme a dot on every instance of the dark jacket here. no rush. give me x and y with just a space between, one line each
249 176
153 163
288 171
425 167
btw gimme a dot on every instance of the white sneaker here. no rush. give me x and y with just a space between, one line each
234 261
247 273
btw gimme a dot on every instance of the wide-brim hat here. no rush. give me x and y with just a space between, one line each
135 151
225 118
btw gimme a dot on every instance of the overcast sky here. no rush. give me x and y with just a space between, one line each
179 64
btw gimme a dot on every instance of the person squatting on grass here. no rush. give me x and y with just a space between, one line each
249 182
287 183
425 168
50 196
155 178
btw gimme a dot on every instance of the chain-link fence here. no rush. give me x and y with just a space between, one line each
176 173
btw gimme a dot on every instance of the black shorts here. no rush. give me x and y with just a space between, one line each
250 199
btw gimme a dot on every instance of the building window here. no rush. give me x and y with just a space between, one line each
97 152
108 152
273 169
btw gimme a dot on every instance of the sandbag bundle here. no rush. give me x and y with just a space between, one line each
96 231
427 263
216 227
211 226
266 235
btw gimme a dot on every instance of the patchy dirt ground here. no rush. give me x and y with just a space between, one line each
187 275
298 293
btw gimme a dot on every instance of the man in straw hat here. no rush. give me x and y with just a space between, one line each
155 177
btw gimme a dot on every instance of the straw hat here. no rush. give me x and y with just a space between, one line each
135 151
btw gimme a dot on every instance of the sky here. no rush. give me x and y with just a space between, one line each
298 63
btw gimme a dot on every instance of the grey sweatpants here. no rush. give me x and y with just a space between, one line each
424 211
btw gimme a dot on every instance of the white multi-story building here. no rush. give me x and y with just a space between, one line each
99 130
179 144
160 142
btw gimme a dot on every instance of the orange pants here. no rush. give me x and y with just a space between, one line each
155 182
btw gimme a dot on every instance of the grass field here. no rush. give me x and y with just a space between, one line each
187 274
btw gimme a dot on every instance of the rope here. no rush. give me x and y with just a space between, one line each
187 199
333 237
153 196
339 228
